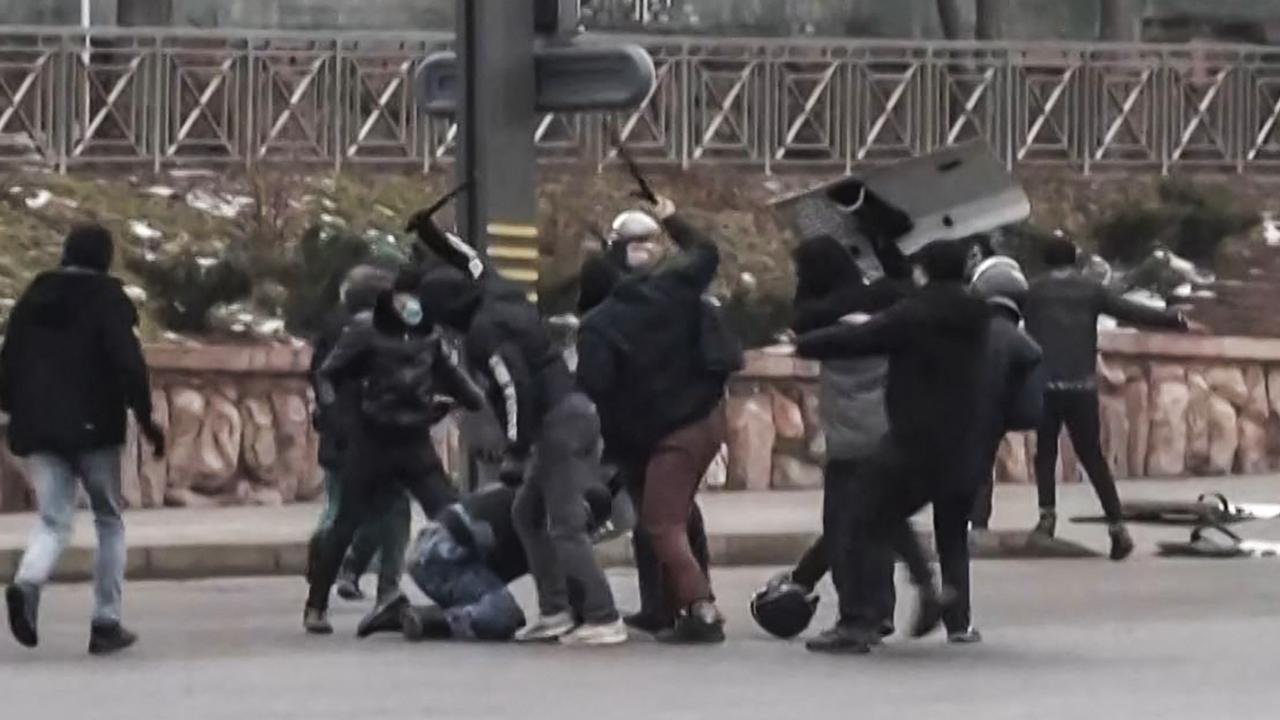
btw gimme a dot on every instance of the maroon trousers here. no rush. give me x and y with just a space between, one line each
672 477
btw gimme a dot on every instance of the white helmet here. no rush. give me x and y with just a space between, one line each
633 225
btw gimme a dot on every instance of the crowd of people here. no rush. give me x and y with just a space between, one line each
634 420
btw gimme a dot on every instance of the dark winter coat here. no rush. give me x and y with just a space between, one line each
1012 388
851 392
71 364
935 341
642 355
1062 310
403 375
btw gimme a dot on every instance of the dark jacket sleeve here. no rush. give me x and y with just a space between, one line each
893 261
124 352
341 362
14 336
880 335
513 380
1024 397
814 313
455 381
1136 313
699 257
597 365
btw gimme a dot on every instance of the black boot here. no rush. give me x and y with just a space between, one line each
647 621
316 621
933 605
425 622
1121 542
843 640
348 587
701 624
1047 526
384 618
107 638
24 607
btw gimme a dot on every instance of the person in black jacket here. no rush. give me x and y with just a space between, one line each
407 382
553 436
70 368
385 535
644 358
935 341
601 273
1062 312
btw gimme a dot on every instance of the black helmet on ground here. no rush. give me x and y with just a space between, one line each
784 608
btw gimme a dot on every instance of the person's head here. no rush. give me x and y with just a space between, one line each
642 238
1001 283
980 248
450 297
1060 253
359 290
823 265
88 247
941 261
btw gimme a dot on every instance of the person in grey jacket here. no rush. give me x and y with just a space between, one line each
830 286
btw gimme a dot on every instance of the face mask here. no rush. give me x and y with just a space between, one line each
409 309
642 254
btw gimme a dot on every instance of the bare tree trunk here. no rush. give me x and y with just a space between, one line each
1118 22
990 25
949 14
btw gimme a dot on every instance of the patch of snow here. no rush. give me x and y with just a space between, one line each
1146 297
67 203
192 173
332 219
384 210
1204 294
161 191
244 317
1183 290
226 207
327 203
274 326
143 231
135 293
206 262
39 200
1270 229
239 328
16 190
149 255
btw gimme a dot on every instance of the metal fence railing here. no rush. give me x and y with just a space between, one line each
165 98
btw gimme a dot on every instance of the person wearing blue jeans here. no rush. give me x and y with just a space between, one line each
70 369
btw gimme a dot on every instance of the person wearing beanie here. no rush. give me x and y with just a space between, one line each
70 368
935 342
1062 310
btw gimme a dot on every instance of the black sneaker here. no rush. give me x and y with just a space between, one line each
1121 542
843 640
933 605
384 618
316 622
24 605
349 589
107 638
1047 526
701 624
648 622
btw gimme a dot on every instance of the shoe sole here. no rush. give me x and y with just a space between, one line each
22 630
111 649
840 650
597 642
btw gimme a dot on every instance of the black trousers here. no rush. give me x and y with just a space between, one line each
378 466
653 599
951 534
1078 410
861 570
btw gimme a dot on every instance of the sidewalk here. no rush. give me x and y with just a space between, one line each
764 528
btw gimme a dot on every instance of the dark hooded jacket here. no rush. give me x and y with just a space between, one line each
935 342
505 342
642 356
1012 387
851 391
404 377
71 364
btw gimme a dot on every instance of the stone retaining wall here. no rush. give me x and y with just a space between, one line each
238 419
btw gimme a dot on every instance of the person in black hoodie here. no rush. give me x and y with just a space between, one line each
1062 312
935 341
387 535
553 435
645 356
70 368
407 382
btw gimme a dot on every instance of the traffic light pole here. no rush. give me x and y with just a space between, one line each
496 123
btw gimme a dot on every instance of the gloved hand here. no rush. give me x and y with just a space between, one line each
512 472
664 208
154 436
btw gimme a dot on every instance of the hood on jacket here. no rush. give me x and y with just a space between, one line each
362 286
823 265
58 297
89 247
450 297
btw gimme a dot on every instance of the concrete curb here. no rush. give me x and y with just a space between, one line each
218 560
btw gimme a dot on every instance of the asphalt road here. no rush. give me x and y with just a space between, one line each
1065 639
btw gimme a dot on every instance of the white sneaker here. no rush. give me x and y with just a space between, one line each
612 633
547 628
